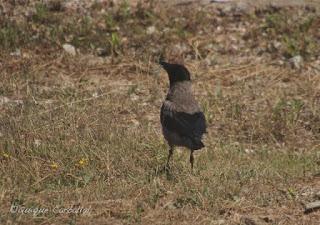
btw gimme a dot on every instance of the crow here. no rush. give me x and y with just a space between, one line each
183 122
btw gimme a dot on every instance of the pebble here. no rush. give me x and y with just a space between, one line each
296 62
151 30
70 49
17 52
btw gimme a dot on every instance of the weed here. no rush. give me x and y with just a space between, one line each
124 11
41 14
11 36
110 22
115 44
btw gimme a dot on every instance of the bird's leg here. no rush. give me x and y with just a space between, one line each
170 154
191 159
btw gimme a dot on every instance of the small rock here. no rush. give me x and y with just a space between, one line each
4 100
49 101
143 104
248 151
70 49
219 29
234 48
134 97
241 8
95 95
135 122
170 205
276 44
102 51
151 30
180 47
18 102
37 142
312 206
296 62
17 52
281 62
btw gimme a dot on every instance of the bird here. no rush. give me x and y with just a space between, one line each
183 123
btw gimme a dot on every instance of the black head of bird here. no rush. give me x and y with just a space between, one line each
176 72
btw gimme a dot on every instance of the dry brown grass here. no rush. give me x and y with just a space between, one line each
84 130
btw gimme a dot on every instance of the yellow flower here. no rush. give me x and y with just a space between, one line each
54 165
5 155
83 162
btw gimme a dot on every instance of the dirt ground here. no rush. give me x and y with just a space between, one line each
81 91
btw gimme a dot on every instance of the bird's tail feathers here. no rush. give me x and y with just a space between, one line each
197 145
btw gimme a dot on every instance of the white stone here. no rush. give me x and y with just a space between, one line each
151 30
296 61
70 49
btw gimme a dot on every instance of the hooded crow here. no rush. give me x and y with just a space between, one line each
183 122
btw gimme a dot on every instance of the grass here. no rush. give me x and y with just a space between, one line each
84 131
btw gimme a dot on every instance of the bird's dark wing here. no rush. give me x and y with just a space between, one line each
185 124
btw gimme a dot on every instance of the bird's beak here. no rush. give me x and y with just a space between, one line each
163 64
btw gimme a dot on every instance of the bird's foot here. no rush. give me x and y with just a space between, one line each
167 168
